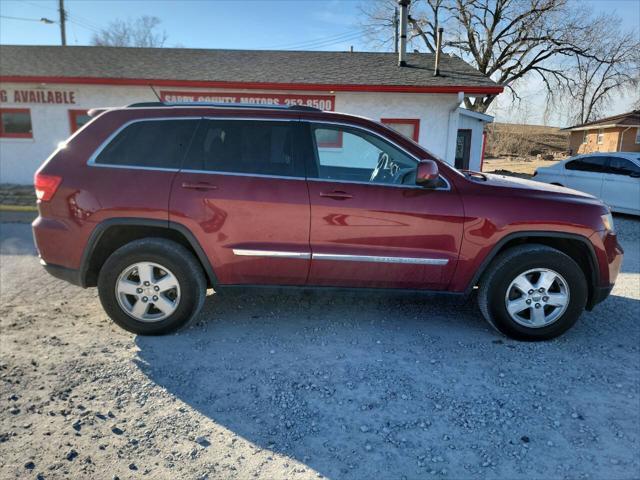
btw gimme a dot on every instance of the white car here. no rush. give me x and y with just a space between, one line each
613 177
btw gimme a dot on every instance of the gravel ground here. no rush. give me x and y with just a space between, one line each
308 386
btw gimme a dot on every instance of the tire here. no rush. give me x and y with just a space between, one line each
500 286
167 264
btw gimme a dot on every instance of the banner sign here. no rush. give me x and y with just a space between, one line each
323 102
67 97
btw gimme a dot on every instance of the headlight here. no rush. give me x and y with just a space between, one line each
607 221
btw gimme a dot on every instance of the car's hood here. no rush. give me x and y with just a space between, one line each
493 180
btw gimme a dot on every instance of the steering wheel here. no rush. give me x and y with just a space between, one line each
383 161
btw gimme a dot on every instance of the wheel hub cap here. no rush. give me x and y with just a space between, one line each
537 298
147 291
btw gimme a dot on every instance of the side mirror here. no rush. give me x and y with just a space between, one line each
427 174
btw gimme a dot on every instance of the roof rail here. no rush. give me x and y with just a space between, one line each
145 104
223 105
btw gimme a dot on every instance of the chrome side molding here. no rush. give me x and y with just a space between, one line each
241 252
339 257
376 259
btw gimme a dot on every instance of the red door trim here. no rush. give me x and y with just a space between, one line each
405 121
484 145
73 118
487 90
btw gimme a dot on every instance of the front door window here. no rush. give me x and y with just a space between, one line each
360 157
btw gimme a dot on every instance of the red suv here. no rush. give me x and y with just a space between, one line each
154 203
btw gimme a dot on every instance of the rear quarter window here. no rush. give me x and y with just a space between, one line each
149 143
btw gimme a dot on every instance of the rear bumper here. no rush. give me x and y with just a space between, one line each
63 273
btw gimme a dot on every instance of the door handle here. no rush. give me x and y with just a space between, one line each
199 186
336 195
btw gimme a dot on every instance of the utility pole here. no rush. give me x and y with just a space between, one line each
63 17
396 24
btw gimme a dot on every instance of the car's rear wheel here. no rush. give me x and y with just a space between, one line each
151 286
533 292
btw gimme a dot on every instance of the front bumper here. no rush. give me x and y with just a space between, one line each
609 255
599 294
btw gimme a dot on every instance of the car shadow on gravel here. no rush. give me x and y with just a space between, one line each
360 386
324 378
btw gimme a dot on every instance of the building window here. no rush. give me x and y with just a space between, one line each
637 135
585 136
77 119
409 127
15 123
600 136
329 138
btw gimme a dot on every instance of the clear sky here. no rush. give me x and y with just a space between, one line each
250 24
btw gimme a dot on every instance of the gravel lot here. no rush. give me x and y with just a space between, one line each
307 386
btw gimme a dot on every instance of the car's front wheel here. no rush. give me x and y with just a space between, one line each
151 286
533 292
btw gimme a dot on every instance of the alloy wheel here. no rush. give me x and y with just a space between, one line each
148 291
537 298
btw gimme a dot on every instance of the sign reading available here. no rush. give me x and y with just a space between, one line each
38 96
323 102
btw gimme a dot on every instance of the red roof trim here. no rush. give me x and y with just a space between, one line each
487 90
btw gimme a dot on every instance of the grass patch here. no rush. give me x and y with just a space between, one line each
18 208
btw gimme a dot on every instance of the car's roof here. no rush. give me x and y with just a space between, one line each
254 106
629 155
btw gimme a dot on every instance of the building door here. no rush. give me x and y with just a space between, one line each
371 225
463 149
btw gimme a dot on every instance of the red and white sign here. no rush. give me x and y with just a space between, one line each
60 97
323 102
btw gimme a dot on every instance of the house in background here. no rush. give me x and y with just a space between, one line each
620 133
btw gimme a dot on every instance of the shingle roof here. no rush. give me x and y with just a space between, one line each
623 119
252 66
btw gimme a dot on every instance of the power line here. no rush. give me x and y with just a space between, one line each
332 42
325 42
86 21
73 18
330 38
24 19
40 6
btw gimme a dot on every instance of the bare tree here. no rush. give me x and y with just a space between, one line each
141 32
594 80
507 40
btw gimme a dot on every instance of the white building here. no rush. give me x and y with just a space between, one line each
45 92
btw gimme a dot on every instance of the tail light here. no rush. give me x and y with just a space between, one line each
46 186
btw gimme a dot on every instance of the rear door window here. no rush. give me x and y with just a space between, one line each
150 143
246 147
588 164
